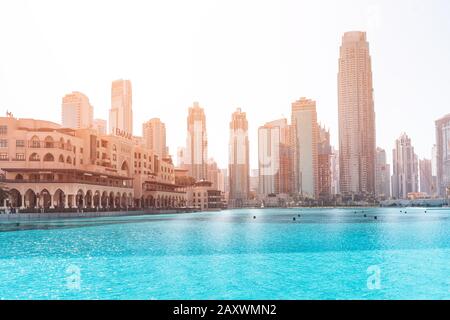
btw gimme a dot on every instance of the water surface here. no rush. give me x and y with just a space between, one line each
323 254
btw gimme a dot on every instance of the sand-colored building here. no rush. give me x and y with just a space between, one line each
46 166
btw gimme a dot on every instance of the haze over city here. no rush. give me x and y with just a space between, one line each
212 52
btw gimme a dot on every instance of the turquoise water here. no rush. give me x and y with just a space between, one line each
324 254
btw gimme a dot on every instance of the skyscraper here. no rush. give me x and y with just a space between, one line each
324 167
304 121
405 172
154 133
356 116
275 158
443 155
196 156
213 173
76 111
121 113
334 168
426 178
382 176
238 163
434 188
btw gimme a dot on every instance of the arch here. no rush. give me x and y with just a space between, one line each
111 200
59 199
30 199
117 200
61 143
104 199
96 199
69 145
48 142
61 158
69 160
79 199
45 199
124 200
130 200
125 167
35 142
18 177
34 157
49 158
88 199
15 198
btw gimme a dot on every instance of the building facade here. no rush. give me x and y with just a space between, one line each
426 178
76 111
324 164
443 155
334 168
196 156
121 112
382 176
238 163
275 159
46 166
357 140
154 134
306 135
405 176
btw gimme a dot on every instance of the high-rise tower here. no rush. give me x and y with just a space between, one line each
154 134
121 113
239 168
357 141
306 136
196 156
76 111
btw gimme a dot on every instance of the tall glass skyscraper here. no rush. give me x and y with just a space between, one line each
357 141
196 156
121 113
239 164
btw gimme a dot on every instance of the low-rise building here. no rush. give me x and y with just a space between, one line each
46 166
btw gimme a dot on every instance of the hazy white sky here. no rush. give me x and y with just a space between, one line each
259 55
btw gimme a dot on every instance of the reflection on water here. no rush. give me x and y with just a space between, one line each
370 215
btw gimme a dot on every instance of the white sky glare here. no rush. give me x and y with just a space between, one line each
258 55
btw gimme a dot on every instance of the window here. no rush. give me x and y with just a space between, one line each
20 143
3 156
3 130
3 143
20 156
35 143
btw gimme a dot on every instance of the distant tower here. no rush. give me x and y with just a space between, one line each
426 178
121 113
275 158
382 176
443 155
356 116
238 164
77 112
405 172
324 165
154 134
306 135
196 157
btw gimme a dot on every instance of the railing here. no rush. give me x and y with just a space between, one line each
48 145
65 180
